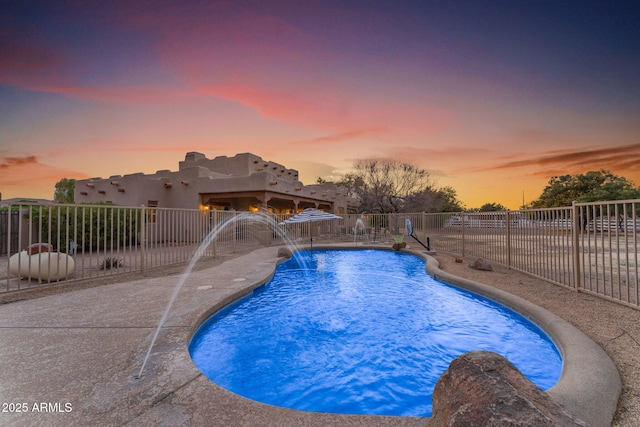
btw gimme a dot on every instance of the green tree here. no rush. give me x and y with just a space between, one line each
433 199
92 227
492 207
592 186
64 191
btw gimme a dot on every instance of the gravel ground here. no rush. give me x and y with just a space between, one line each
616 328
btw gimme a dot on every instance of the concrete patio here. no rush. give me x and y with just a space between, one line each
73 358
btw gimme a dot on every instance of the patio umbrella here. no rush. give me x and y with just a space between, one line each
310 215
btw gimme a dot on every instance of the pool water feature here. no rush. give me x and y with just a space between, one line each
360 332
261 217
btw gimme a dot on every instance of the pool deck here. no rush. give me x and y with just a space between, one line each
73 358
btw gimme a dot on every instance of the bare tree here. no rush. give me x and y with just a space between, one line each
385 185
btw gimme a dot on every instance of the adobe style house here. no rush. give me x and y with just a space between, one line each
244 182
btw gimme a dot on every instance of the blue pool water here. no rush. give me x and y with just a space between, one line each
360 332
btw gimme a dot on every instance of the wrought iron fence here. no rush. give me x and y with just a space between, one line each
51 243
590 247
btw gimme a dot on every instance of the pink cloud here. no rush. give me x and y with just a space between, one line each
328 109
133 95
267 63
24 62
344 136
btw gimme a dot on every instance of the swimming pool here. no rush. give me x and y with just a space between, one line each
359 332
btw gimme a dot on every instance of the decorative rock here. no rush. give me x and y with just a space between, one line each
265 238
44 265
482 388
481 264
284 253
398 246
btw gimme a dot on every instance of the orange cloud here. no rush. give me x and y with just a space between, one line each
27 174
441 161
624 157
10 162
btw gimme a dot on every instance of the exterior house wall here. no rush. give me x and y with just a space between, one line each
242 182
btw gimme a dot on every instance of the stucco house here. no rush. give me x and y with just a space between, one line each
244 182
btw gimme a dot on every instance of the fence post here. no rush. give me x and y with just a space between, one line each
576 244
9 231
9 220
508 224
143 239
462 216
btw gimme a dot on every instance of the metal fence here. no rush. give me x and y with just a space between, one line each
85 242
591 247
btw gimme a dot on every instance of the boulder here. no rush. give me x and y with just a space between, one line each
481 264
265 238
284 252
398 246
482 388
43 265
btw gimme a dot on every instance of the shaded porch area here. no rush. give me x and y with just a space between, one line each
255 200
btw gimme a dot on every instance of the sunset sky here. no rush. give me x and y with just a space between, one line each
493 98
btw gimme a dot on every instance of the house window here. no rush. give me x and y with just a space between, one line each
151 211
